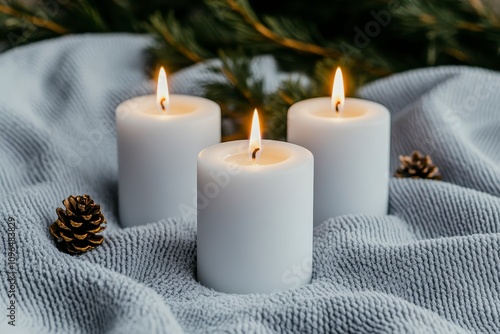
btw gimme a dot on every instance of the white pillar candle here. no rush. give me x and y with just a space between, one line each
255 216
159 138
350 141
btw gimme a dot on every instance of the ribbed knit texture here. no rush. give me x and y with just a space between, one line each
431 266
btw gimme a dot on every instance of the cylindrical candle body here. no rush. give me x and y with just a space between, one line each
351 155
157 155
255 222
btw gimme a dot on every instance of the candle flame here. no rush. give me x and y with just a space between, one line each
255 145
162 96
338 95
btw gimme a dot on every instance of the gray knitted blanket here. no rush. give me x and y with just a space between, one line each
431 266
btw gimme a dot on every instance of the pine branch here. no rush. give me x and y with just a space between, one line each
87 14
278 103
169 34
242 7
37 21
177 45
240 94
238 70
448 25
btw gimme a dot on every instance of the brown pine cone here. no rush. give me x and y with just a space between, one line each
77 226
417 166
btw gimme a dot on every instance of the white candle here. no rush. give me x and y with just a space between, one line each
255 216
350 141
159 138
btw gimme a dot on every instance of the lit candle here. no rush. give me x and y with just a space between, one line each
350 140
159 138
255 215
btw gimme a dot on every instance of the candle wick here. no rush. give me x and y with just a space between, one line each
254 153
161 103
337 106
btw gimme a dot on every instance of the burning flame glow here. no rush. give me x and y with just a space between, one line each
338 95
255 144
162 96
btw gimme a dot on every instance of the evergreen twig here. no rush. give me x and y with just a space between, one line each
157 23
243 9
290 43
43 23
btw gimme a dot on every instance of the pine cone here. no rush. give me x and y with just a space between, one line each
77 227
417 166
